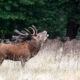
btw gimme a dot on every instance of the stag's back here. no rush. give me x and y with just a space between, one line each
18 50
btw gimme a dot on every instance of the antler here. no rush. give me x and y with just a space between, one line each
26 33
20 33
34 30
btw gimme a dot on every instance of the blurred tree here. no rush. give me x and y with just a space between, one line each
51 15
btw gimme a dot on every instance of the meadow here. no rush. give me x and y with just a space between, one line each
55 61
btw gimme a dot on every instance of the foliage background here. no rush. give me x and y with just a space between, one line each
50 15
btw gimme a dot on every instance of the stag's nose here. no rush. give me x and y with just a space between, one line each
47 35
45 32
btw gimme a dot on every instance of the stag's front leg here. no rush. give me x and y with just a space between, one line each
1 60
22 61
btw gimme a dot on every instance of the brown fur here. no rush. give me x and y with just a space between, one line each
20 51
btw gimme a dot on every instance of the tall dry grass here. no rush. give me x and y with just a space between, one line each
55 61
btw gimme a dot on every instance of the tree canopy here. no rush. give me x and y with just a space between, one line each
50 15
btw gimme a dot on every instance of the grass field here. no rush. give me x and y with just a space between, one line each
51 63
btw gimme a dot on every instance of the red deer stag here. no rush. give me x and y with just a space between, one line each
25 50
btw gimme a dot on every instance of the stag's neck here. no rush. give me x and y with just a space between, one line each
34 46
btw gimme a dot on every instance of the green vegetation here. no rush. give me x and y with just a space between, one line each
50 15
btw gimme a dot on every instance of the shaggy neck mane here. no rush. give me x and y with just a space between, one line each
34 46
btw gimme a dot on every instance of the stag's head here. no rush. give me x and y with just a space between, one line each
23 35
42 36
